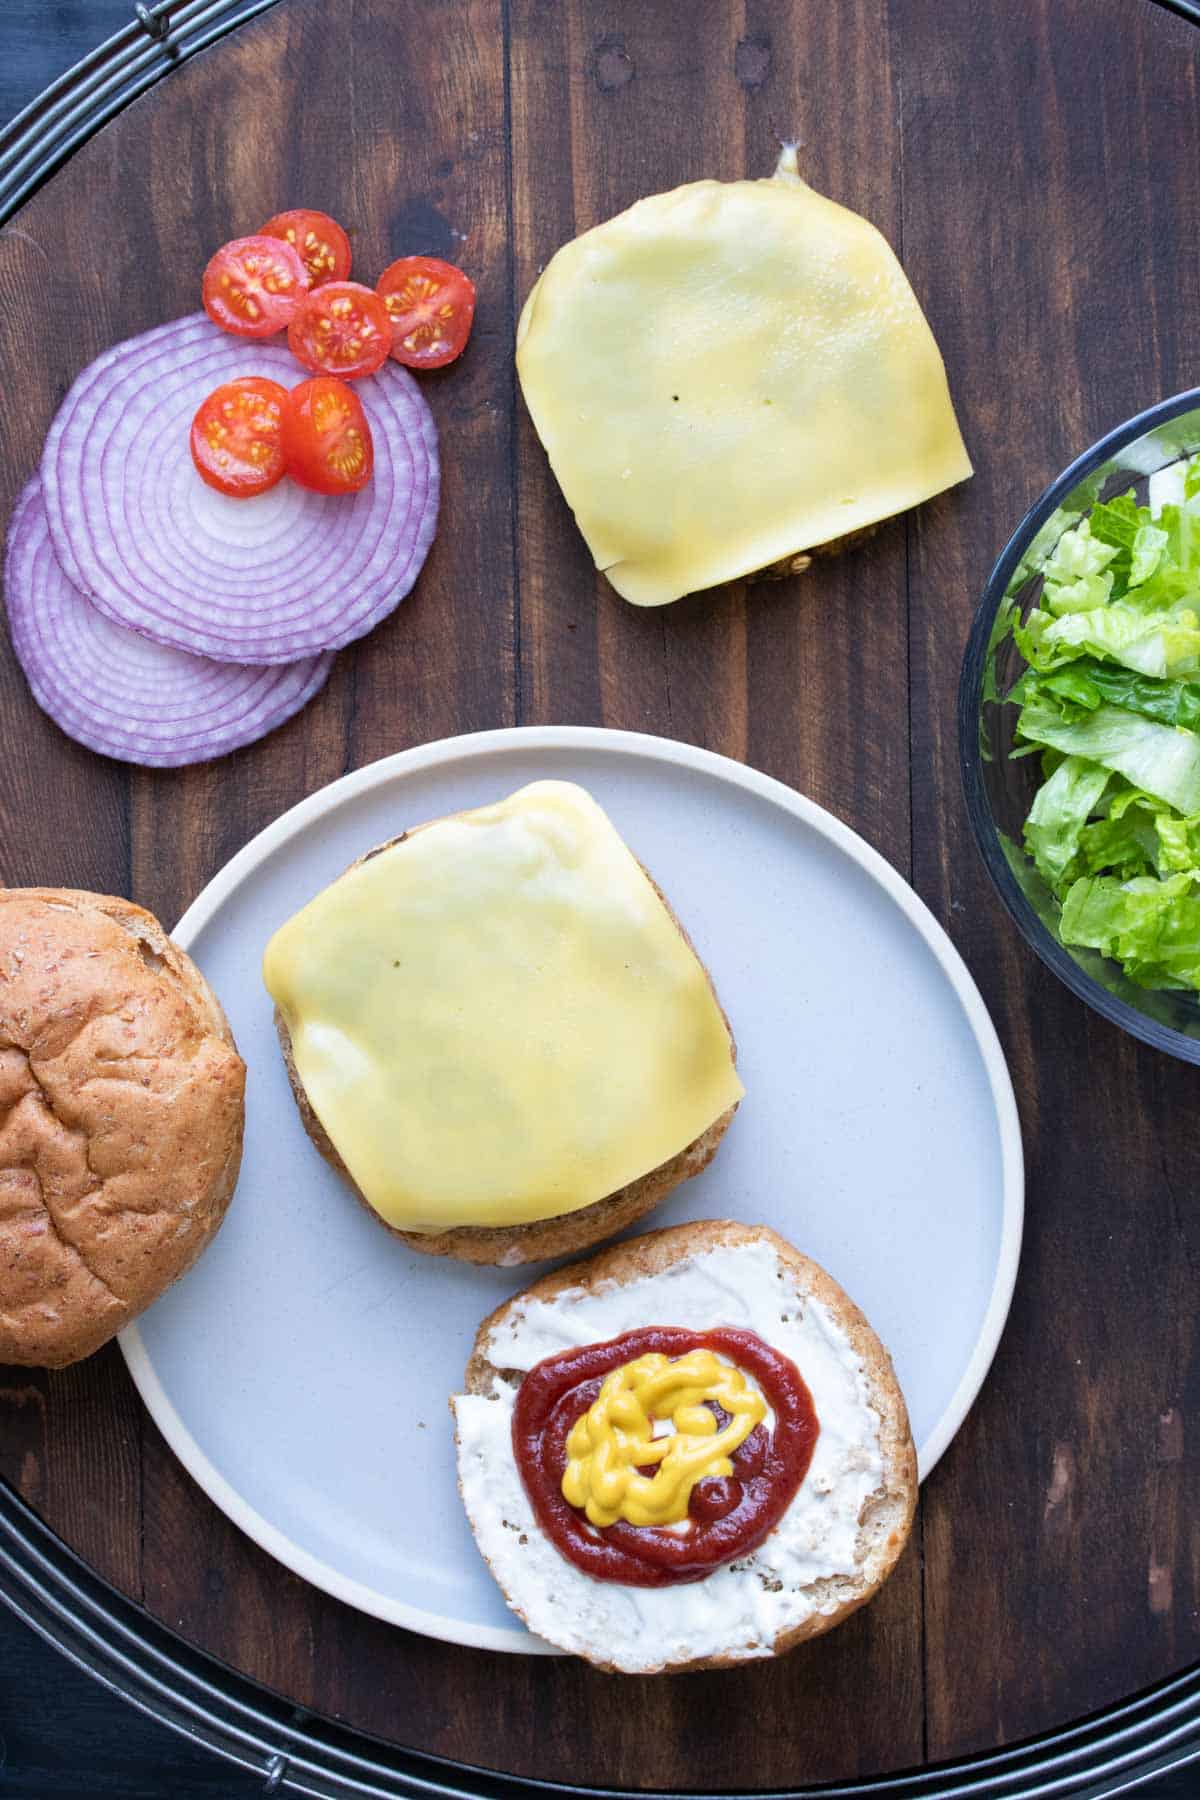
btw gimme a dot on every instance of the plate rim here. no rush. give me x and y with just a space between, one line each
645 746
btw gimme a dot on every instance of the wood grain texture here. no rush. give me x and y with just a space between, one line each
603 94
1060 309
70 1441
1035 164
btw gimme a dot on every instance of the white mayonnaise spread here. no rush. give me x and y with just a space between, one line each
739 1610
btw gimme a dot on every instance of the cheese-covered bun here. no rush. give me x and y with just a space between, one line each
498 1031
121 1113
729 374
844 1527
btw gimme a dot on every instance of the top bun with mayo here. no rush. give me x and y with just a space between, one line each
121 1113
497 1030
729 375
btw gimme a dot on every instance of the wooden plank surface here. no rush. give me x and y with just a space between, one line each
1038 226
1035 163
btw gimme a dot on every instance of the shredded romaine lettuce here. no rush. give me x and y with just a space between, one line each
1163 759
1111 701
1150 926
1165 642
1060 812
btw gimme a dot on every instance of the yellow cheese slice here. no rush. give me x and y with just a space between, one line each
728 374
498 1020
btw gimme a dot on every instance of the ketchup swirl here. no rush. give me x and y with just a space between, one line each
768 1467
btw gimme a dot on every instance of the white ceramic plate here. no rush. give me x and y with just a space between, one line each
301 1371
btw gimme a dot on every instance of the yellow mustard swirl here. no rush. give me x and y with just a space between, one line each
608 1444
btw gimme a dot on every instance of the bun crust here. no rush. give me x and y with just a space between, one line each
121 1116
508 1246
886 1518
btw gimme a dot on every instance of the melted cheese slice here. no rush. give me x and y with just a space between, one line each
728 374
498 1020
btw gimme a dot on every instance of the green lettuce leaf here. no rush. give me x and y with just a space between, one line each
1178 842
1124 842
1162 759
1151 643
1178 570
1082 595
1136 834
1148 545
1060 812
1075 576
1118 523
1088 682
1151 927
1110 703
1074 683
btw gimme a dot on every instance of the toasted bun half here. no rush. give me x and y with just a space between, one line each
121 1114
843 1532
511 1245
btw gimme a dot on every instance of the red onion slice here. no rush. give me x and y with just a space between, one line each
117 691
266 580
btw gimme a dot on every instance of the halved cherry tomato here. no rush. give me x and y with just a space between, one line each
323 246
253 285
326 439
431 305
237 436
341 329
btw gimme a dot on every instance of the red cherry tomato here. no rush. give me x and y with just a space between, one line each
237 436
323 246
431 305
326 439
341 329
253 285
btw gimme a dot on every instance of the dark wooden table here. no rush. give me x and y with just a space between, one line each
1035 161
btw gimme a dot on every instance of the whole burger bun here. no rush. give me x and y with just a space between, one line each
121 1113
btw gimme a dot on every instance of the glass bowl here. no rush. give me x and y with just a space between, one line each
999 791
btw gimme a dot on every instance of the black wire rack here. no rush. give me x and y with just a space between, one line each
134 1655
156 40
